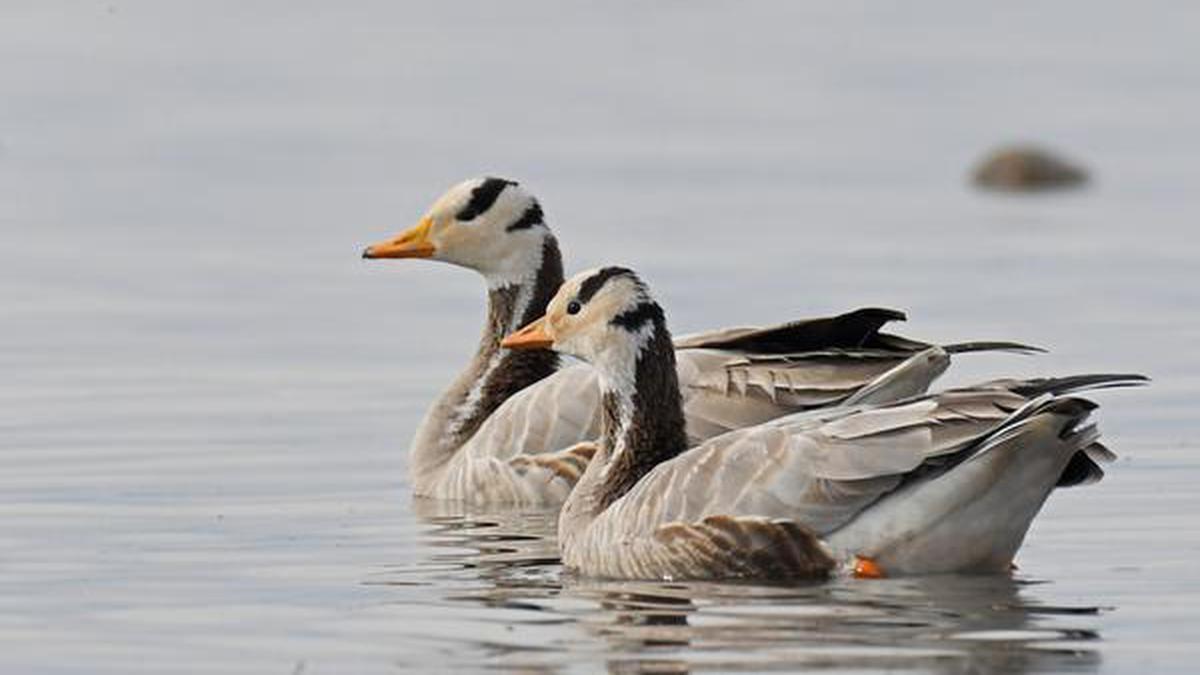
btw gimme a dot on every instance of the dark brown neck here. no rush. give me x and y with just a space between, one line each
503 372
644 427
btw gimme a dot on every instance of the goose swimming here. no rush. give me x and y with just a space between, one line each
506 428
947 482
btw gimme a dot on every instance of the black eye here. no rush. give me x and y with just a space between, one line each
573 307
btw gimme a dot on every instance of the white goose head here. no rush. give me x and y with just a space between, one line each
605 316
490 225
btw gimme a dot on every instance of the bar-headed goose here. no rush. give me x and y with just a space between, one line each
504 429
947 482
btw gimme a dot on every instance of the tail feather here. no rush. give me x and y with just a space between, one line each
1084 467
970 509
1051 394
1081 470
1100 453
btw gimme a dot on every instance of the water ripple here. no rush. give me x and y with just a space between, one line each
507 563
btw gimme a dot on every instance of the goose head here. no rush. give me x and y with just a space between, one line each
490 225
605 316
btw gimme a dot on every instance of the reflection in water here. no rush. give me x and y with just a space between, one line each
508 560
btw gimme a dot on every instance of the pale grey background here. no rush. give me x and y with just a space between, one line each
206 395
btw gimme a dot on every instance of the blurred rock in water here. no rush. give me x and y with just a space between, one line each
1023 167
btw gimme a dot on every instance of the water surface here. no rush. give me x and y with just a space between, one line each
207 396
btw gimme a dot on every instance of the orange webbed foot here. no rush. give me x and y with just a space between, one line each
865 568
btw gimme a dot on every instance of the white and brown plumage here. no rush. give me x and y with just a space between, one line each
948 482
508 428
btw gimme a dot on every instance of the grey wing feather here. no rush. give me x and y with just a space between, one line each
868 479
820 469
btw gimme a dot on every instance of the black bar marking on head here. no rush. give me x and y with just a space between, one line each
482 197
532 216
594 283
633 319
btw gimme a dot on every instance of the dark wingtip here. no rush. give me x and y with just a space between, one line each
1075 383
855 329
884 314
992 346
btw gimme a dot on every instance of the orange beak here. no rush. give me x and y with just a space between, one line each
532 336
412 243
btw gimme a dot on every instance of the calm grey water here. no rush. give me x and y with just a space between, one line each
206 396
